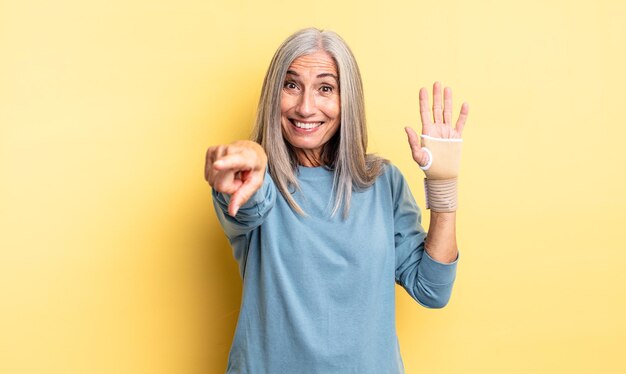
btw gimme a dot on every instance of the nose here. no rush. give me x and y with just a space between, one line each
306 104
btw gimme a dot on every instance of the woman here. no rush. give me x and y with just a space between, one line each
321 230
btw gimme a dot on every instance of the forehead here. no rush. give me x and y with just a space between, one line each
319 61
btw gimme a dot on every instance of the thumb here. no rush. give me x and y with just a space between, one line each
414 141
419 154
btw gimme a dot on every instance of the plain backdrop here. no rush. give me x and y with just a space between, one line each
112 260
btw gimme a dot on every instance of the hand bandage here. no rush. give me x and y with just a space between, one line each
442 170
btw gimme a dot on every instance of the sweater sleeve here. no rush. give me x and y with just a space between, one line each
250 215
428 281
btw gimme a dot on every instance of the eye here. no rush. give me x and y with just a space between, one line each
326 89
290 85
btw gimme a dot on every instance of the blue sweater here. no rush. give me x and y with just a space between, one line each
319 291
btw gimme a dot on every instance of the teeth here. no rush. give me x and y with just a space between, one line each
306 126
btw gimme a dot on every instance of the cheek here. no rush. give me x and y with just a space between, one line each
336 112
286 103
332 109
337 107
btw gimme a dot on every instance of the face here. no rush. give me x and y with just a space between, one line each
310 105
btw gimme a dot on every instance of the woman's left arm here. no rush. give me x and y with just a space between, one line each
439 156
441 239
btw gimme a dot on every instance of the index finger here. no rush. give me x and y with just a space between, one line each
425 110
244 193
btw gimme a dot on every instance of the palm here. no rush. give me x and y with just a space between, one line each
438 123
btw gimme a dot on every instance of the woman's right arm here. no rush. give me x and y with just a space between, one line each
242 192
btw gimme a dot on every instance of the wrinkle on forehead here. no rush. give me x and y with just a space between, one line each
319 60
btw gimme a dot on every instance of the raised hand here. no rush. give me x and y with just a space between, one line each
236 169
437 124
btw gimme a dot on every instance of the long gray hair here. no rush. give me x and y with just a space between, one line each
345 153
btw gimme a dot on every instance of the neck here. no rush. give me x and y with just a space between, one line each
309 158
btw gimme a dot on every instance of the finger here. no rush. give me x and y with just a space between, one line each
232 149
414 141
419 155
425 114
236 161
220 151
213 153
208 163
437 110
447 106
245 192
460 123
226 182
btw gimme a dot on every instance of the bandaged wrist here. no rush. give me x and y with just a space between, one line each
441 195
442 170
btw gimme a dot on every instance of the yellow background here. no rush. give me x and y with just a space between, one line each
111 258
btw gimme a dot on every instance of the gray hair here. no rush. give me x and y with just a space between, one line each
345 153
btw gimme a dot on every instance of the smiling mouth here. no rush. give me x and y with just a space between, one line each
305 125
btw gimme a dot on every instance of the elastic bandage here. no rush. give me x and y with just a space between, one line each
441 172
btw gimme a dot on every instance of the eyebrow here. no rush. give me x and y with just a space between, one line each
323 75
